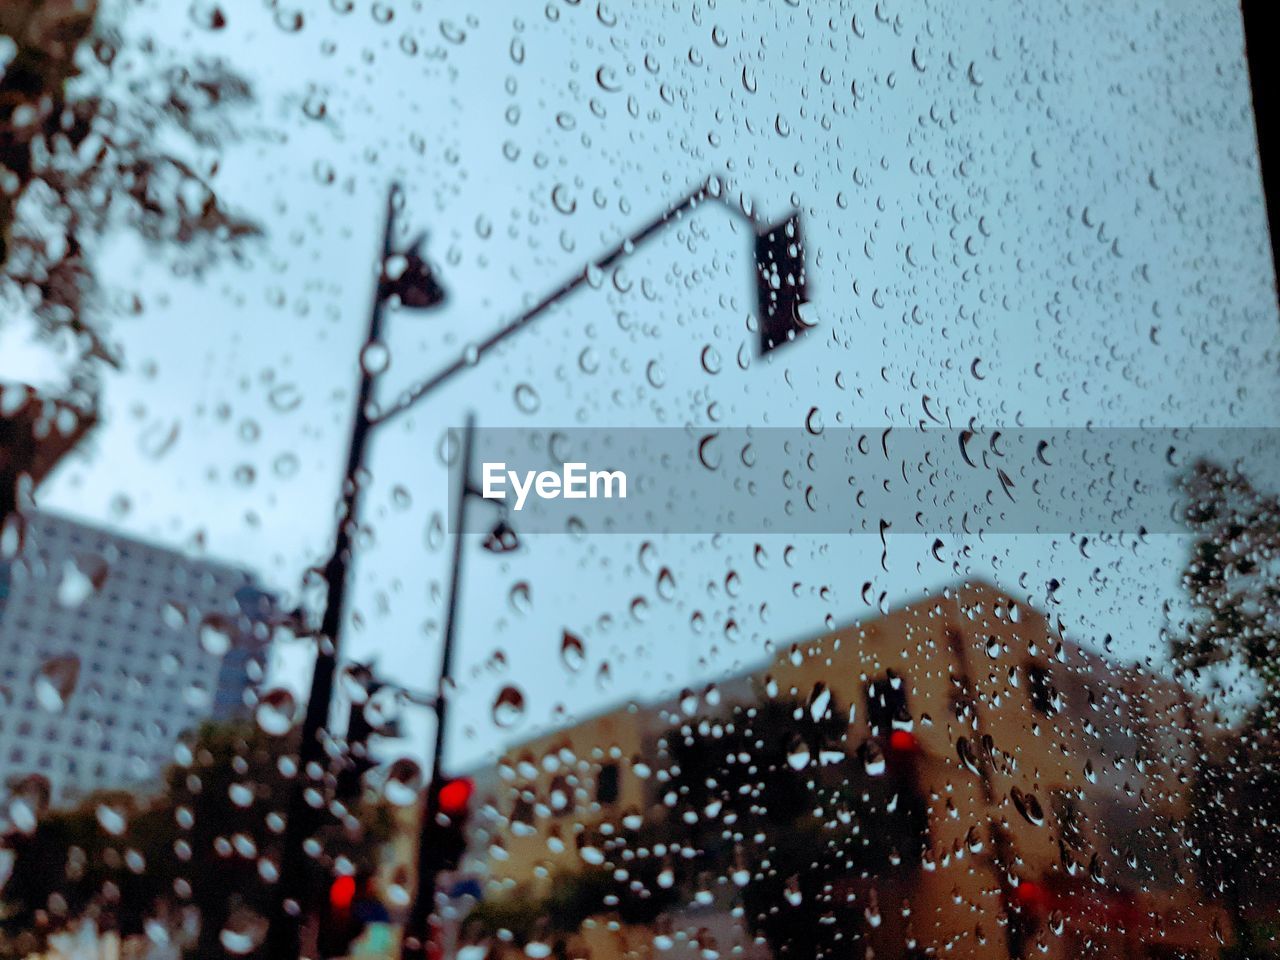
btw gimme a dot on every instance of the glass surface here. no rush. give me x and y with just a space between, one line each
608 481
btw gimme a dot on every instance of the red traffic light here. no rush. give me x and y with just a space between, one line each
903 741
455 796
1031 895
341 892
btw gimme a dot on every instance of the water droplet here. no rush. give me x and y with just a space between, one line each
799 755
81 578
285 397
508 708
206 15
314 106
521 597
572 651
243 933
111 820
655 375
527 399
158 438
562 200
241 795
216 633
403 783
56 681
275 711
290 21
375 358
873 760
711 361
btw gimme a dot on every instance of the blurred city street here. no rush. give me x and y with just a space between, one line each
602 481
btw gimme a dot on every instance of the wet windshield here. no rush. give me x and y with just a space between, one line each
607 481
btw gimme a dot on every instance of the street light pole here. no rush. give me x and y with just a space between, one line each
781 287
780 280
283 936
417 927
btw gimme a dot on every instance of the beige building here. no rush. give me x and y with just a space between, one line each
1051 790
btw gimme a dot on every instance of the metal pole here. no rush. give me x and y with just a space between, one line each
413 945
611 256
283 936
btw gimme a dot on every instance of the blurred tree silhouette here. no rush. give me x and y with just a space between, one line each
1233 581
90 135
764 807
783 806
208 840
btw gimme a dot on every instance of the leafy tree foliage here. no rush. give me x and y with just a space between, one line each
1233 579
766 807
210 839
1233 582
92 130
809 827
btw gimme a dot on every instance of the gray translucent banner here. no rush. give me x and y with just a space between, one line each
872 480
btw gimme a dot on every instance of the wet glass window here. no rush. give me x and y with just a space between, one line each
617 481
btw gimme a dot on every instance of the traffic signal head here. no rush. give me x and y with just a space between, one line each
339 926
781 284
903 741
341 892
445 835
455 797
410 278
1032 896
364 721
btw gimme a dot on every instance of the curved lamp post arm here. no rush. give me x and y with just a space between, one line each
779 276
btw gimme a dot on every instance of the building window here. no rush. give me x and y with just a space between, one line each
522 810
1070 823
607 784
886 702
1042 693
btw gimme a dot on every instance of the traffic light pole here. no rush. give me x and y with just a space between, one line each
774 302
780 288
417 931
283 935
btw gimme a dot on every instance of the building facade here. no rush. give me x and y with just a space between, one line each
110 649
970 785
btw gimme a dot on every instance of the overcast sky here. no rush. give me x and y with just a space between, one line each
1026 214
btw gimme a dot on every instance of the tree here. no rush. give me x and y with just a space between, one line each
806 825
85 147
210 839
1233 582
766 801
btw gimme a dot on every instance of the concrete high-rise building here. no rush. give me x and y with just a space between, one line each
110 649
